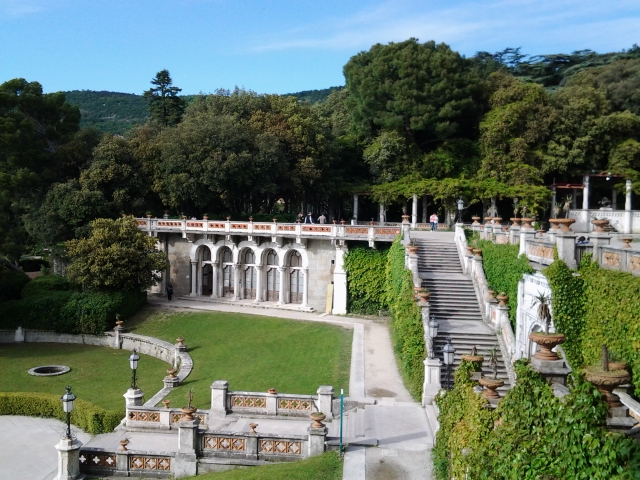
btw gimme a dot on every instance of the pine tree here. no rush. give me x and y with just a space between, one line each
165 106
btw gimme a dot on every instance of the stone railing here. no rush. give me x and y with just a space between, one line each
371 233
258 446
623 221
224 402
540 251
623 259
158 418
97 462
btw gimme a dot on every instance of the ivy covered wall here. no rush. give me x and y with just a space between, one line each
366 270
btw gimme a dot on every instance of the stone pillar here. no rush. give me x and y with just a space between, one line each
117 339
305 287
553 371
414 212
237 282
514 235
424 209
526 234
325 400
68 459
553 201
185 462
355 207
259 281
406 232
214 279
194 279
272 404
599 240
133 398
339 283
431 385
219 390
317 437
614 199
566 245
381 213
122 463
281 271
585 192
18 337
628 215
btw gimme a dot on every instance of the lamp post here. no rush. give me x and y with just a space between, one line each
448 351
133 363
67 406
460 203
433 333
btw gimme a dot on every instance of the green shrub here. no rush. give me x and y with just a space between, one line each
366 269
407 331
85 415
40 312
33 264
45 284
11 284
504 269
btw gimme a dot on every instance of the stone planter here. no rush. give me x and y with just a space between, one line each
475 221
547 341
171 372
469 250
477 252
148 215
503 299
119 323
490 387
412 249
605 382
487 220
497 220
272 391
180 341
627 242
565 223
317 418
275 220
599 224
166 403
123 444
516 221
473 358
251 219
188 412
405 218
492 295
252 429
205 217
555 223
526 222
424 296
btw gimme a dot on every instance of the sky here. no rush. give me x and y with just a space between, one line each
277 46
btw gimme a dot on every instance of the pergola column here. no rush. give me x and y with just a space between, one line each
194 279
355 207
424 209
259 271
627 198
214 279
381 212
553 201
414 212
585 192
614 199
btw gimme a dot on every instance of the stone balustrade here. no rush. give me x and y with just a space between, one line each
124 463
159 418
258 446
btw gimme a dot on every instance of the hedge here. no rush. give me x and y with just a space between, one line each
407 331
366 269
87 416
11 284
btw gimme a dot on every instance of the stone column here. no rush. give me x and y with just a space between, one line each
133 398
494 211
271 402
599 240
566 245
585 193
414 212
317 437
628 215
281 271
237 282
219 390
614 199
339 283
431 385
194 277
424 209
214 279
325 400
68 459
526 234
185 463
305 287
259 281
553 200
355 207
381 213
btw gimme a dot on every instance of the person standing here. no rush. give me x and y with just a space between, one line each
300 218
308 218
433 219
322 219
169 291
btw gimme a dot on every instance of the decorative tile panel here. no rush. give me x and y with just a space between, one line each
387 231
357 230
144 416
540 251
316 229
178 417
95 460
634 263
229 444
141 223
239 226
611 259
149 463
286 228
248 402
295 404
216 225
262 227
280 446
169 224
195 224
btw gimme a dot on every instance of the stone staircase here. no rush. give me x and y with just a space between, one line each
454 303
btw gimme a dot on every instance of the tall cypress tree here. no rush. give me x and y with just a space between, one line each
165 106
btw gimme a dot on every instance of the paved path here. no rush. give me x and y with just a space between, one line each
399 424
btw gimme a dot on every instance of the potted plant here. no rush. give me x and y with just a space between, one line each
475 221
251 219
189 410
503 299
546 340
424 295
119 320
228 217
412 248
492 384
474 357
600 224
275 219
317 418
148 214
607 377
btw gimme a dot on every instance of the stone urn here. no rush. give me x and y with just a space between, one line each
405 218
516 221
503 299
275 220
547 342
251 219
497 220
166 403
487 220
477 252
606 381
228 218
475 221
123 444
627 242
527 221
424 295
473 358
565 223
491 385
272 391
469 250
252 429
119 323
205 217
342 222
492 295
317 418
148 215
188 412
600 225
412 249
180 341
555 223
171 372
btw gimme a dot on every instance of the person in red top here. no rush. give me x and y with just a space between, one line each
433 219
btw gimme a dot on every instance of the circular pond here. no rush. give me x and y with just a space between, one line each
49 370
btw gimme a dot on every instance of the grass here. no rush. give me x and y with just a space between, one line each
327 466
100 375
252 352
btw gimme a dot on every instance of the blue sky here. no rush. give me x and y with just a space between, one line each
273 46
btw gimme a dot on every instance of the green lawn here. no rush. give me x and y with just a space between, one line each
327 466
100 375
252 352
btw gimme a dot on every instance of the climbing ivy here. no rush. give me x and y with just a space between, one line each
366 269
504 269
407 331
532 434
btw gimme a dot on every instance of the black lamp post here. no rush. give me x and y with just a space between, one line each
448 351
133 363
460 203
67 406
433 333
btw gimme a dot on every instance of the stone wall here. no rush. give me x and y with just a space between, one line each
180 264
321 255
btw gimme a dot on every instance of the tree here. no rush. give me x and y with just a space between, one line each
116 256
165 106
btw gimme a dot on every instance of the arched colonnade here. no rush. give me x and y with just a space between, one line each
268 272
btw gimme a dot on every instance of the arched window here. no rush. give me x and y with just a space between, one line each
296 278
249 275
249 257
273 277
227 273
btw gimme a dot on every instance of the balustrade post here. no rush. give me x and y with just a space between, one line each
219 390
599 240
566 245
185 463
68 459
272 404
325 400
317 438
526 234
